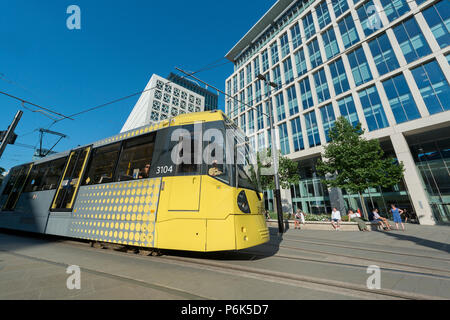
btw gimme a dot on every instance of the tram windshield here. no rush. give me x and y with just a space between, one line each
245 171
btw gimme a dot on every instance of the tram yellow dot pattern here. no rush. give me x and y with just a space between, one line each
132 223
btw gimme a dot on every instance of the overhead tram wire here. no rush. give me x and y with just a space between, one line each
207 67
23 101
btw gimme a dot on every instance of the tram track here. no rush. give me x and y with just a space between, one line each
293 279
365 249
256 272
287 278
388 262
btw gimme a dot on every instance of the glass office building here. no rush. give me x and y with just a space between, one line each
382 63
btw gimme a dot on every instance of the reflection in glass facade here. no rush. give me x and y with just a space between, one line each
433 161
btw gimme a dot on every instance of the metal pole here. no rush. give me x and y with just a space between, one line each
10 131
277 193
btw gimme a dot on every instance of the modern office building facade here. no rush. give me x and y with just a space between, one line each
383 63
161 100
211 98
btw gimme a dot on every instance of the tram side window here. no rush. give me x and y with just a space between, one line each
45 176
14 174
102 165
36 177
136 158
53 174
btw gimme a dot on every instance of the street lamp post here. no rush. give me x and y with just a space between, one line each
277 193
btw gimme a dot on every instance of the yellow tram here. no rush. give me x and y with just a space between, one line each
144 188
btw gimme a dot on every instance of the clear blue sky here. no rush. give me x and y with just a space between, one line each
120 45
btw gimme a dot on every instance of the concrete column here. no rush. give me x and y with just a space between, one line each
413 180
286 200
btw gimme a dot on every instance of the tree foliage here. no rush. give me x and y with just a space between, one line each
354 163
287 171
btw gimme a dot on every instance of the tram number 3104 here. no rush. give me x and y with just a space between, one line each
164 169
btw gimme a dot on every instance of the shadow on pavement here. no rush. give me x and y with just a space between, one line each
420 241
254 253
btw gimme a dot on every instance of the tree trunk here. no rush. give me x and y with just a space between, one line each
363 205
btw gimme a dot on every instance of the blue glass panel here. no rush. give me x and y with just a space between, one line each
433 86
411 40
373 110
401 100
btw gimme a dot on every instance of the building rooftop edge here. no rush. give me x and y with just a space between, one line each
268 18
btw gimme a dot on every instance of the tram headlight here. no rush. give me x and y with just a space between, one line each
243 203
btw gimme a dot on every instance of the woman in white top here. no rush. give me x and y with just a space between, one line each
336 219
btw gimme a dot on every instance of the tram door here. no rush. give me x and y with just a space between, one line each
70 182
17 188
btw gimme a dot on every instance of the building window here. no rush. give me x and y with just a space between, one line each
433 86
274 52
260 117
300 62
269 111
284 40
284 139
373 110
328 119
383 55
348 31
297 135
322 91
250 95
340 81
256 67
288 72
370 20
251 121
339 7
261 142
296 36
277 75
348 110
400 99
241 79
280 106
438 19
312 130
411 40
292 100
243 124
258 91
323 15
360 67
314 53
242 99
330 43
265 61
394 8
249 73
308 25
305 89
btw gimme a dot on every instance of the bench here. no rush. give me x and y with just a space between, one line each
326 225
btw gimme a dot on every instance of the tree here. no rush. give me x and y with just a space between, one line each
287 171
355 164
